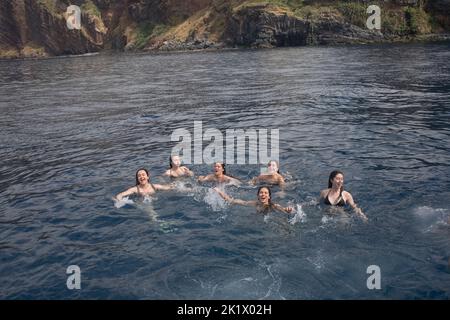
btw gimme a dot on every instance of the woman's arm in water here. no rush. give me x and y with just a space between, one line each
280 208
164 187
355 208
323 195
188 172
281 183
207 178
126 193
254 181
234 201
234 181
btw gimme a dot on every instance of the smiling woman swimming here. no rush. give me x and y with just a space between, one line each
263 203
143 186
272 176
219 175
176 169
336 196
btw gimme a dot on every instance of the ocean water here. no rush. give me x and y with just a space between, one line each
74 130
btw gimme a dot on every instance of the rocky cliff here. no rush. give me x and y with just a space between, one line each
35 28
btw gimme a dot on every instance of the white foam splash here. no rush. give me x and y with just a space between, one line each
312 202
430 219
147 200
274 288
426 212
299 217
185 187
214 200
123 202
145 206
247 279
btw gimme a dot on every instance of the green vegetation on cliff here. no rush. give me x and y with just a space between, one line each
50 5
90 8
147 30
396 19
199 24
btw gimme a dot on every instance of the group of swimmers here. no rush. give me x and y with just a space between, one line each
334 195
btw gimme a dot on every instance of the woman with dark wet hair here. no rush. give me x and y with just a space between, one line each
263 204
176 169
335 195
143 186
219 175
272 176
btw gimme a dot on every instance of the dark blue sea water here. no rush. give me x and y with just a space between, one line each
74 131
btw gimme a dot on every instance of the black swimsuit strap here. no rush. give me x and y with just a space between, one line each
141 193
340 198
173 176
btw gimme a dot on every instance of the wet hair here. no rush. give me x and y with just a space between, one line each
333 174
146 171
278 165
171 161
223 167
270 193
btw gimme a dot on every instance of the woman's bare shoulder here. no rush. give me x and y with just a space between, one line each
347 195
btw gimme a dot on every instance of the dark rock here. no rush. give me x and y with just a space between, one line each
257 27
27 24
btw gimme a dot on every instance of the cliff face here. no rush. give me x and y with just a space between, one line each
262 27
259 27
440 10
28 28
38 27
338 22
